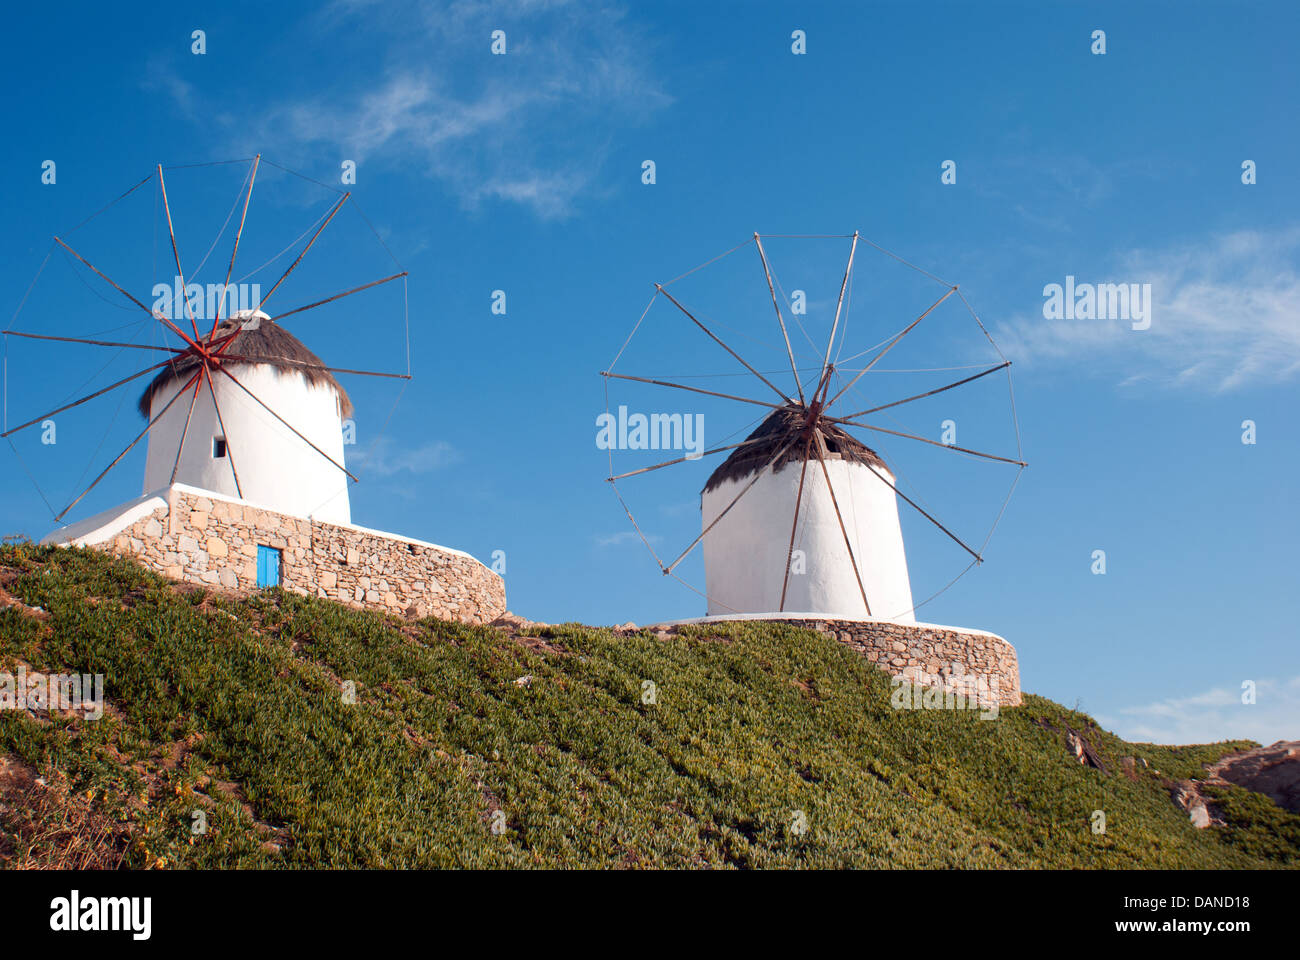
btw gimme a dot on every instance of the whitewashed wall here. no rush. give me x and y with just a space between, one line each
744 555
276 468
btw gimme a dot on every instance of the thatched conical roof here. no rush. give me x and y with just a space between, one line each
267 343
780 428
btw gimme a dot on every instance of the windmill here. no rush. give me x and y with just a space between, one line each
803 515
238 404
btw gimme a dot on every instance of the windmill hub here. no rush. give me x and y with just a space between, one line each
275 412
797 461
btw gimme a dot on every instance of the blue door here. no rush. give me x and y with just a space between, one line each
268 566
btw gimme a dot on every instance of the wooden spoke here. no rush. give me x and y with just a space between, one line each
819 393
307 365
817 434
928 393
669 569
162 185
230 454
216 318
286 423
679 386
129 448
337 207
337 296
157 316
669 463
934 443
91 396
890 345
779 392
180 448
93 343
221 344
853 248
101 273
915 506
794 524
784 333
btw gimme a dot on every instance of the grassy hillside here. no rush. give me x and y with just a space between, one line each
236 707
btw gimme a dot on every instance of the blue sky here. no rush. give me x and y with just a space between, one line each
523 173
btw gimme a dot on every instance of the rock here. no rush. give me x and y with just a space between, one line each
1201 813
327 579
199 520
1273 771
217 547
1075 744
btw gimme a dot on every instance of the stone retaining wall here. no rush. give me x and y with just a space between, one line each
934 656
214 541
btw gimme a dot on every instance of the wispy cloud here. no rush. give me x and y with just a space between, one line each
531 127
386 458
1226 313
161 77
1213 715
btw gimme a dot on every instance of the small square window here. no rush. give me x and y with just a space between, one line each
218 448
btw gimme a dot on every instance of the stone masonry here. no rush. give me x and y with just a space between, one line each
214 541
927 654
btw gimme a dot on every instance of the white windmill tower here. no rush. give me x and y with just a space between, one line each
842 492
240 406
271 432
803 516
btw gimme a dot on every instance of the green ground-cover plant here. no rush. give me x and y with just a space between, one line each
763 745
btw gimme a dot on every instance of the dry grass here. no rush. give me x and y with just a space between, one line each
44 826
